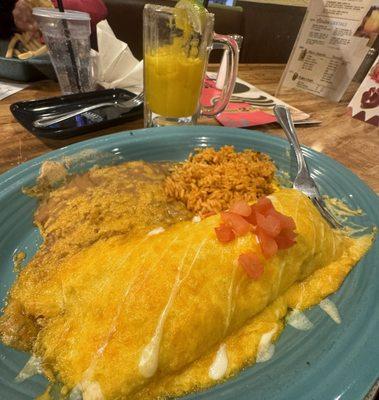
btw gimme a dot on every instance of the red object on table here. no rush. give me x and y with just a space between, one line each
236 115
95 8
240 115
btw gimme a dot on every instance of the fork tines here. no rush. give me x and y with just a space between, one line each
321 206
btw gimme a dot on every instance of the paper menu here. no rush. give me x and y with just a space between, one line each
9 88
365 103
332 43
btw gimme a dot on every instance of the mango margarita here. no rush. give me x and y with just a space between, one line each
173 81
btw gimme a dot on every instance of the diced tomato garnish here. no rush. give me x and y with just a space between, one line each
284 243
274 230
224 233
252 219
267 243
285 221
241 207
239 225
250 262
270 224
286 239
289 233
263 205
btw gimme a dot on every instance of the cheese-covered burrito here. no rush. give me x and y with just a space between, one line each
123 313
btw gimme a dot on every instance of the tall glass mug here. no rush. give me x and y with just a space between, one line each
175 61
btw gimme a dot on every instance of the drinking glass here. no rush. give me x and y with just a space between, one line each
175 62
67 36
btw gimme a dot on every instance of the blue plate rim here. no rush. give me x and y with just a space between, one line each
54 154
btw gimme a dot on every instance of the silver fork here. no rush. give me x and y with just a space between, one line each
50 120
303 181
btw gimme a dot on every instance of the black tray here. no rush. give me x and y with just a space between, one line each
26 112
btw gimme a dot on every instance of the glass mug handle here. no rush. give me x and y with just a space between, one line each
224 42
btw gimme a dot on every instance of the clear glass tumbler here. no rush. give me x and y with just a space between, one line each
67 36
175 62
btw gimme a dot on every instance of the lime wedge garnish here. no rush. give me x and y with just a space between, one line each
195 12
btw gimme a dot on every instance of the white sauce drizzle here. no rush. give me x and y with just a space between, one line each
196 219
92 391
31 368
148 363
230 305
220 364
266 348
299 320
87 390
331 309
113 327
76 393
156 231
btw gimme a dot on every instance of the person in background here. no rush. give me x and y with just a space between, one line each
6 19
16 15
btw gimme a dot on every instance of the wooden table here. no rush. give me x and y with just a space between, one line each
353 143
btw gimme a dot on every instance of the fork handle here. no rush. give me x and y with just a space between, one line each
284 118
47 121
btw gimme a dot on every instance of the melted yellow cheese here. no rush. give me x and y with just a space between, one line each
146 318
243 345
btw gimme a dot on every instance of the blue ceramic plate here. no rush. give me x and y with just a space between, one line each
328 362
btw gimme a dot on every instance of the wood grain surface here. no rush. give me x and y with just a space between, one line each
353 143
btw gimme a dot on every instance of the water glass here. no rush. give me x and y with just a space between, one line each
67 36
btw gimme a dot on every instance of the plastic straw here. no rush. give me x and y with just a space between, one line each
60 6
205 4
69 45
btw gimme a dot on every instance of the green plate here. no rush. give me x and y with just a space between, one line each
328 362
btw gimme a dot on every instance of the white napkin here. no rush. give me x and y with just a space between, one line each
114 64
